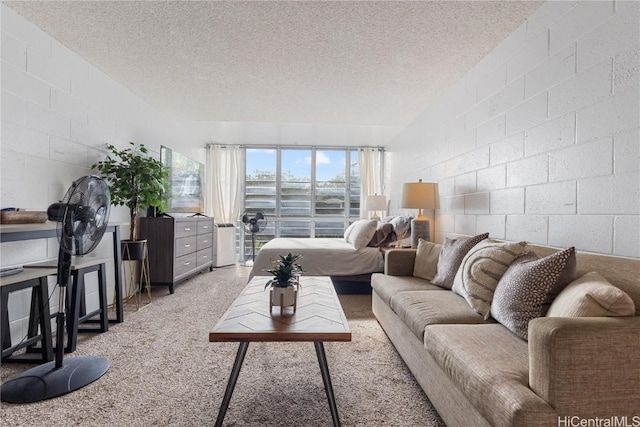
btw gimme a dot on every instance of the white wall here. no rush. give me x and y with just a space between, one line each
540 141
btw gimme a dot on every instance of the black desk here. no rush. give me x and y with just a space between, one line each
18 232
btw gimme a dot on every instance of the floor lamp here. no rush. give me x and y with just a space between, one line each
419 195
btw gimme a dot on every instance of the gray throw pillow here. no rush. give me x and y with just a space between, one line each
383 235
529 286
453 252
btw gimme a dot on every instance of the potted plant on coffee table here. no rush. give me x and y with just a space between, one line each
285 282
136 181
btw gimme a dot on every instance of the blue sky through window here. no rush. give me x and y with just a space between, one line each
329 163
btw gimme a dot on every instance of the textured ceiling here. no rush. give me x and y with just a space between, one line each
359 63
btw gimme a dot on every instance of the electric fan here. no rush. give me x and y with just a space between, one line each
81 218
253 226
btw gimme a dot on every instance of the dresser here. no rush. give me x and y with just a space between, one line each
178 248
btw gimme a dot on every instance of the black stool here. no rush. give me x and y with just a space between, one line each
76 304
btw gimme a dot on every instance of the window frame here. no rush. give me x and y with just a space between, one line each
346 218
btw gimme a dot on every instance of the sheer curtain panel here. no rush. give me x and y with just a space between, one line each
225 175
370 160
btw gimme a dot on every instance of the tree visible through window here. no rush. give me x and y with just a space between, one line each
303 192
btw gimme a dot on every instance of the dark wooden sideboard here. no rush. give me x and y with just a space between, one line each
178 248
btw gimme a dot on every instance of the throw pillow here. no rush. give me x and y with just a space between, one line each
426 261
481 269
382 236
591 295
528 288
453 251
362 233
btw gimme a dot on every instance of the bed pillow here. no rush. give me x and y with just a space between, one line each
383 235
426 262
362 233
591 295
453 251
529 286
401 226
481 269
348 231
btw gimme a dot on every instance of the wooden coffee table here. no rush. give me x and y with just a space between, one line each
318 318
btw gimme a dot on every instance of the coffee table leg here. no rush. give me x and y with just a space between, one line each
324 370
233 378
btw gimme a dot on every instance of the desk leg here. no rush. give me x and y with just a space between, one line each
117 268
233 378
324 370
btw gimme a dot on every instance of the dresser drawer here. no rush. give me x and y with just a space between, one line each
184 264
186 245
186 228
205 241
203 257
205 226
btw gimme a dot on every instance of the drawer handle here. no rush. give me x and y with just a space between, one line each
205 241
206 227
187 229
205 256
187 263
187 246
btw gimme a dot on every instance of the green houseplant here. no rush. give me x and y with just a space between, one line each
285 281
135 180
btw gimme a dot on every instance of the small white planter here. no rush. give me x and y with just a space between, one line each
283 297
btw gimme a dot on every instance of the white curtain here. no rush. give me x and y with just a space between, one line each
370 160
225 175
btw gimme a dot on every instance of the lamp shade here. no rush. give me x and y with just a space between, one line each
375 203
419 195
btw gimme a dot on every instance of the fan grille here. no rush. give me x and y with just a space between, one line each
84 215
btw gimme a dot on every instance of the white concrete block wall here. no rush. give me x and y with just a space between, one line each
57 114
557 104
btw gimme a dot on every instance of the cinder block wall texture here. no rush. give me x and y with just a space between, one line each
540 141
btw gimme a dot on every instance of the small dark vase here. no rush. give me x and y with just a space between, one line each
134 250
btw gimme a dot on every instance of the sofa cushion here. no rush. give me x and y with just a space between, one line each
453 251
417 309
426 262
529 286
481 269
591 295
490 366
387 286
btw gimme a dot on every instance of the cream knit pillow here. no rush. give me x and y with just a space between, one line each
426 263
481 269
591 295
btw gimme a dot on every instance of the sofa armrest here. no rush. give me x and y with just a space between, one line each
399 262
587 367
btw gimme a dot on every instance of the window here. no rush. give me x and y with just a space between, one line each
303 192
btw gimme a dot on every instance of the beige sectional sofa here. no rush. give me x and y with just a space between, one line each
476 372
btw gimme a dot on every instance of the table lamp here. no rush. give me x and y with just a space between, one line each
375 203
419 195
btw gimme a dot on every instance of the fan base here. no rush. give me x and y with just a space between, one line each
45 381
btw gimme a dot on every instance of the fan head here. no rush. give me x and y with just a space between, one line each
254 224
82 215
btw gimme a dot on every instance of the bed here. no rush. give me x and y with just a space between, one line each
321 257
352 258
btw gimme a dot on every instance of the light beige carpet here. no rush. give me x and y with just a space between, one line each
165 372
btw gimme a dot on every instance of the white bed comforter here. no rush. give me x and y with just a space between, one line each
320 257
